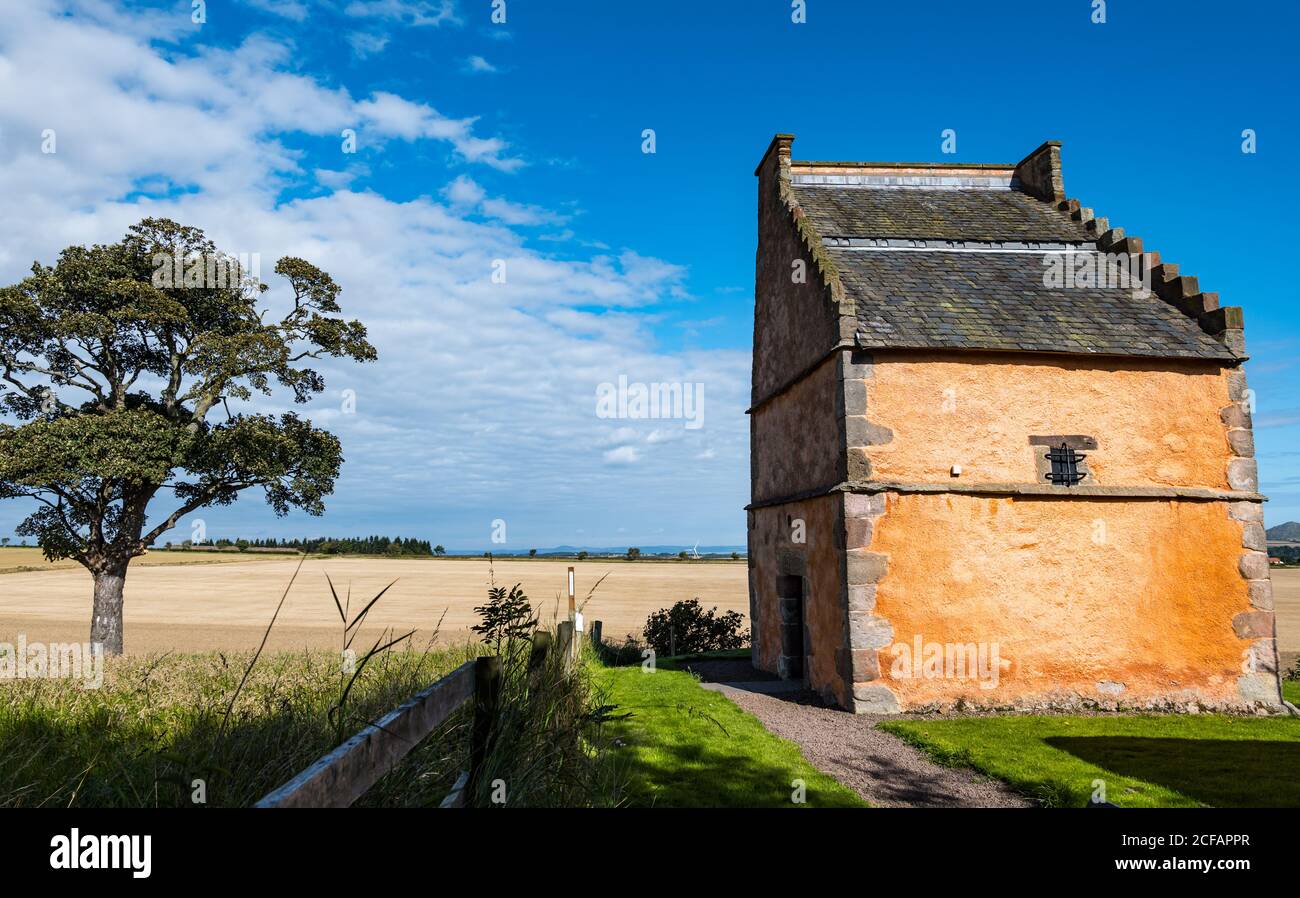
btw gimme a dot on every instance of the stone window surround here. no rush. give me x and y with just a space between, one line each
1040 445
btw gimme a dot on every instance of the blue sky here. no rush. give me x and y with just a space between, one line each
523 141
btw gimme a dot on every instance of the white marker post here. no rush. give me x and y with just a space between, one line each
574 617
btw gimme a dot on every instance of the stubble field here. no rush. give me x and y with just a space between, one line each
227 605
1286 596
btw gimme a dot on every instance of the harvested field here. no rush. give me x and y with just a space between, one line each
1286 594
226 606
17 559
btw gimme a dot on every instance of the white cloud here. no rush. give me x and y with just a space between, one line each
337 180
464 191
478 64
365 44
289 9
210 122
482 403
407 12
623 455
394 116
618 435
520 213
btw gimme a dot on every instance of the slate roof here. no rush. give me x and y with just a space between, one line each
969 300
943 214
938 296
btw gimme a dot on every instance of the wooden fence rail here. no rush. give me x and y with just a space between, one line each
342 776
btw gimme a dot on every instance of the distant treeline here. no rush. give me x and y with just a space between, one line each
1288 554
330 545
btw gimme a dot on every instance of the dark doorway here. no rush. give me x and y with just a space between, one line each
789 600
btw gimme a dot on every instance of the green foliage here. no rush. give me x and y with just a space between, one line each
351 545
506 618
549 745
1288 554
688 628
80 341
633 553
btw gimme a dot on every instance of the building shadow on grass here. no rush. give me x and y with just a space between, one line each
1217 772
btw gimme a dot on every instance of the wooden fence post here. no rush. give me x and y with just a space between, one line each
541 648
595 635
487 701
564 638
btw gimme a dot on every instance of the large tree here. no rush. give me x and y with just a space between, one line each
120 363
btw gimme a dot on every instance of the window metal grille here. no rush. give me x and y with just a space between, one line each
1065 465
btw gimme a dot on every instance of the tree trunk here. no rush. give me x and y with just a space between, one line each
106 617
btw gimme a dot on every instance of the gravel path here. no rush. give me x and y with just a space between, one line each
879 766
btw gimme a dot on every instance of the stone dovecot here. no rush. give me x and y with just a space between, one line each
1001 456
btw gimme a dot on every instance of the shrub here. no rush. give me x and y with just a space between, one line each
507 616
688 628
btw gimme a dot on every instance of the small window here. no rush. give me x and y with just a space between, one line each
1065 464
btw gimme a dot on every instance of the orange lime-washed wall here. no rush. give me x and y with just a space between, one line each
1157 423
1124 600
773 551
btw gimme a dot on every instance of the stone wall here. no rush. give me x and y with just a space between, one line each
1156 423
796 318
796 440
1145 587
1102 603
775 552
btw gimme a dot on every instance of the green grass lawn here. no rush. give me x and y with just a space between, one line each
1147 761
687 747
1291 691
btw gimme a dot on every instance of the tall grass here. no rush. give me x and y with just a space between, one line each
159 724
549 747
222 730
